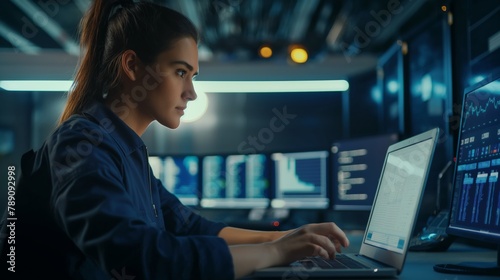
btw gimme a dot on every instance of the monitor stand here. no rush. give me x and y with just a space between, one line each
471 268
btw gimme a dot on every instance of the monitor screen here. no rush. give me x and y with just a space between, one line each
429 77
235 181
475 211
300 180
356 167
179 175
391 85
481 44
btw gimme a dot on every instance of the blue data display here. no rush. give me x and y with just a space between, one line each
179 175
235 181
476 205
214 171
299 177
300 180
356 167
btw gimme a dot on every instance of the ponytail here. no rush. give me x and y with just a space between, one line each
85 88
109 28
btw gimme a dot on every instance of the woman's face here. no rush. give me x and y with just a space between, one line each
169 83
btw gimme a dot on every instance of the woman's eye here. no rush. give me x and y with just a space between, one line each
181 73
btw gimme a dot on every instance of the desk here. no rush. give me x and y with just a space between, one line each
418 265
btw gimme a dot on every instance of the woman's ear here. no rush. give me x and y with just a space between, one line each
131 65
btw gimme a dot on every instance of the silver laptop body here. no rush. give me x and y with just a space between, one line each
392 218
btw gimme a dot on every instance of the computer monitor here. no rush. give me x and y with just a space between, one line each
300 180
356 167
179 175
235 181
475 209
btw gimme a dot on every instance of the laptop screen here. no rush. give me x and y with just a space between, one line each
398 196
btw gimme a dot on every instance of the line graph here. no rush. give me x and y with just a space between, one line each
473 109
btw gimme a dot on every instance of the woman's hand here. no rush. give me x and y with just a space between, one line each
325 240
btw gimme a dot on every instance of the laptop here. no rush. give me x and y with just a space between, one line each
390 225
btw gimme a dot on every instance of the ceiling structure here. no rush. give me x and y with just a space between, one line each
231 30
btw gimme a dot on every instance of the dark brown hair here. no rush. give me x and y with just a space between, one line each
107 30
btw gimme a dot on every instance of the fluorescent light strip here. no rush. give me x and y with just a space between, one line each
33 85
271 86
206 86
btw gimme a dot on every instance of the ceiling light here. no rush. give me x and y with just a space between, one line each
205 86
298 54
265 52
36 85
272 86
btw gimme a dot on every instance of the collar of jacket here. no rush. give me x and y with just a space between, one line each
126 138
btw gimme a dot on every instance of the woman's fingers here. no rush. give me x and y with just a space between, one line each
332 231
325 240
327 247
320 251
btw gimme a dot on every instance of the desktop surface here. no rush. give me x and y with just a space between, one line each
419 265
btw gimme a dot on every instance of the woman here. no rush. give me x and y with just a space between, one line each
103 214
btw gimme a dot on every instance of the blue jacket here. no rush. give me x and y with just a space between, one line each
89 207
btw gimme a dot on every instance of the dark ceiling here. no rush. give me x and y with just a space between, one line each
231 29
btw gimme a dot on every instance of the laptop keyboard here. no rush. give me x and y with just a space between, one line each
341 261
